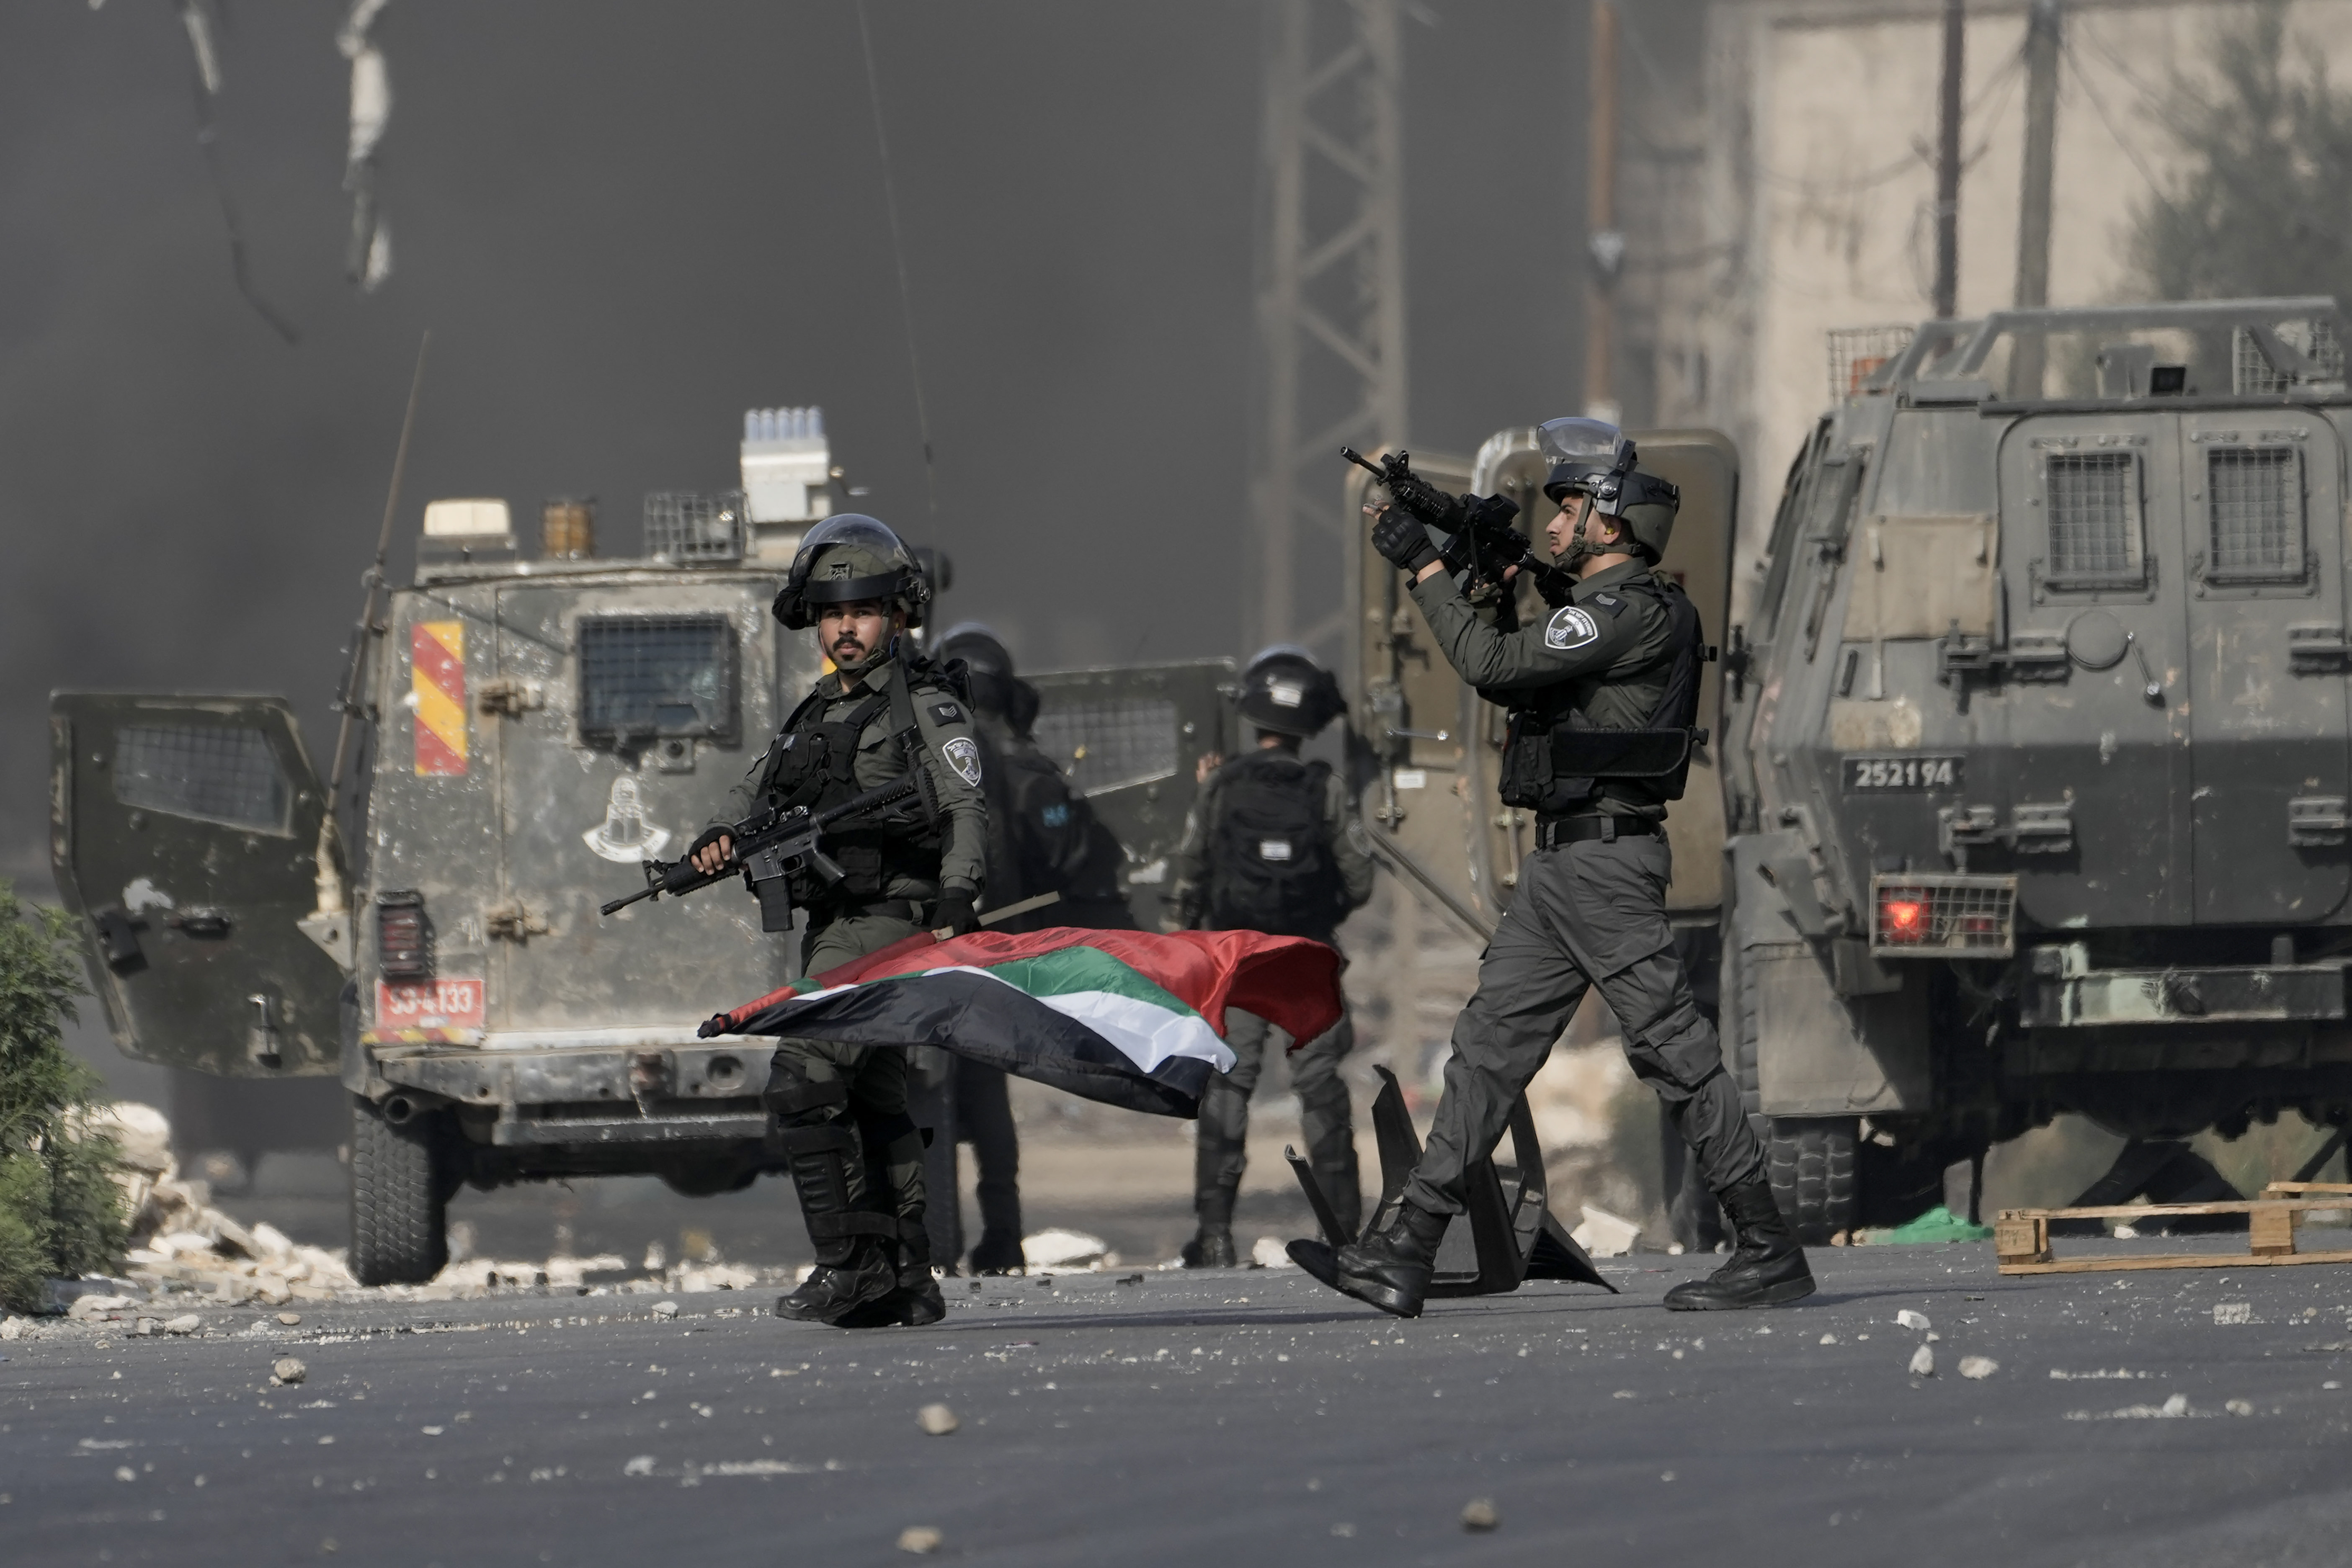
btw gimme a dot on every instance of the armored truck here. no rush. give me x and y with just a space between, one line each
2035 751
540 728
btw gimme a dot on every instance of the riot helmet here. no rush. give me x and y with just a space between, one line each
845 558
1649 513
988 665
1284 690
1589 457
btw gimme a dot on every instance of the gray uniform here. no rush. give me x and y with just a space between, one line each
1325 1114
1588 913
812 1082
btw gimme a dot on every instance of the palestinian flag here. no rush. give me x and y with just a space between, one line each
1131 1018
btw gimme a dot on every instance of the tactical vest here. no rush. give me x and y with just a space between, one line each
814 764
1555 759
1270 863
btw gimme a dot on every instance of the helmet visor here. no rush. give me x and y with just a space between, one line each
1586 442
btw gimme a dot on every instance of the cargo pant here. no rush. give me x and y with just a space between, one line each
1220 1149
812 1082
1589 913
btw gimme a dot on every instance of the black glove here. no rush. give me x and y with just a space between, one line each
1403 540
710 837
955 914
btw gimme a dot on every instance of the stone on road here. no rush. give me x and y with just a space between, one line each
1241 1416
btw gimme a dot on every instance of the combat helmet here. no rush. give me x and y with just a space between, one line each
1592 457
1285 691
847 558
988 667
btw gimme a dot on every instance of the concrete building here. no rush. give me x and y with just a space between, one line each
1779 185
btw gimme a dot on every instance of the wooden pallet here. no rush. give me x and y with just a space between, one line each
2021 1238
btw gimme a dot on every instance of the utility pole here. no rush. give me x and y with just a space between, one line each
1606 241
2042 38
1947 163
1330 306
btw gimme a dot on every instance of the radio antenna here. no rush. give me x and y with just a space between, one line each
898 255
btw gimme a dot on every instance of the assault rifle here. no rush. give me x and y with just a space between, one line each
1479 538
769 846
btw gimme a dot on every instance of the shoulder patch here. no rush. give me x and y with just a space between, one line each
962 754
1608 602
947 712
1571 627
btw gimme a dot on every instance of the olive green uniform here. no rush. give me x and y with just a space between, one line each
862 1090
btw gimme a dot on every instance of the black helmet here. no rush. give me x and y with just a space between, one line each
847 558
1589 457
1285 691
988 665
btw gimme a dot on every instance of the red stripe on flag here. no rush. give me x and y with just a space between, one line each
1291 981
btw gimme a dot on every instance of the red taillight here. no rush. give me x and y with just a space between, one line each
1904 919
404 943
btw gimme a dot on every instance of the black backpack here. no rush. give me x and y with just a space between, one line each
1270 865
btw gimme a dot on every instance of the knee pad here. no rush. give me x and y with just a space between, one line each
794 1094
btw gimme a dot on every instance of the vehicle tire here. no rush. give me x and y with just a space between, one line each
399 1192
1815 1176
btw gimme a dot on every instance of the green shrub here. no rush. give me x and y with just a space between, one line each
60 1209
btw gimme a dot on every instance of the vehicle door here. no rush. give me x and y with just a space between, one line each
617 718
2093 578
1128 739
183 832
2260 506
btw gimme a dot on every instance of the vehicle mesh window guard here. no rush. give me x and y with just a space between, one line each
1106 746
1934 915
2254 508
210 773
646 677
2093 504
684 527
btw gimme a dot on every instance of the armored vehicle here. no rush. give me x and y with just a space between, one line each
541 728
2035 749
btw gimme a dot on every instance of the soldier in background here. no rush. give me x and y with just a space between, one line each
1041 838
855 1156
1273 845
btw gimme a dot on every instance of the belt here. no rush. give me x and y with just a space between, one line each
1558 831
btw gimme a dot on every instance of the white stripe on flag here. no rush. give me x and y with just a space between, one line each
1145 1034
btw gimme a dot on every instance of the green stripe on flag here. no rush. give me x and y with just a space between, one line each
1076 967
1083 969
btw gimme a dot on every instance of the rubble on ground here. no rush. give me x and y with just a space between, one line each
1605 1235
179 1240
1058 1249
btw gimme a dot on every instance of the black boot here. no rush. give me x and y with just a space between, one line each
1391 1266
1766 1269
915 1300
854 1264
1211 1248
999 1252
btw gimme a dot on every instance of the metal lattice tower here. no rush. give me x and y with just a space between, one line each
1330 305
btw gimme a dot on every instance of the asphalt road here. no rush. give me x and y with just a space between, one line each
1234 1417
